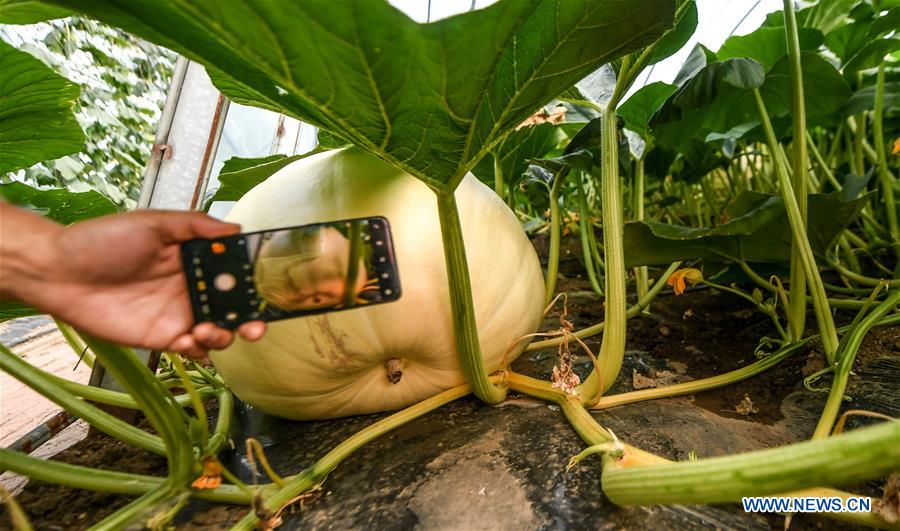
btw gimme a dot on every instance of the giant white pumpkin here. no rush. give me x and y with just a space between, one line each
392 355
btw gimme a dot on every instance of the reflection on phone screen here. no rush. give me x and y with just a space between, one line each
314 268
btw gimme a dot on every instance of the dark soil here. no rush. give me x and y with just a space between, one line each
428 473
55 507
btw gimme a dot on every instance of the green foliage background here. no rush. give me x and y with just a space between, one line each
123 83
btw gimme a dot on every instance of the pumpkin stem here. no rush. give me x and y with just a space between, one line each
394 368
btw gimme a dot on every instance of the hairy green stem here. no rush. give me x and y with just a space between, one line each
798 232
465 329
82 477
220 438
849 458
846 357
593 434
555 236
862 279
640 273
612 348
75 342
196 401
115 398
585 226
721 380
797 301
689 388
884 174
847 304
37 379
314 475
498 174
164 414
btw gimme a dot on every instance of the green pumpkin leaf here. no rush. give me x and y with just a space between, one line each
767 45
674 39
527 143
856 184
14 310
29 12
846 40
36 112
824 90
239 175
58 204
872 54
758 231
825 15
711 102
432 99
864 100
888 22
643 104
699 57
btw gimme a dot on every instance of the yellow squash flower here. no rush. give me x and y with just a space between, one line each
679 279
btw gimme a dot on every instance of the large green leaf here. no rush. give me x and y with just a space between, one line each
846 40
14 310
716 100
824 15
430 98
758 231
527 143
872 54
864 100
690 110
239 175
58 204
767 45
886 23
36 112
674 39
29 12
825 91
643 104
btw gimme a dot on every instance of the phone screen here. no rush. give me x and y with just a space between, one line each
290 272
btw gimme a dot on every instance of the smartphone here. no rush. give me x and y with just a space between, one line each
291 272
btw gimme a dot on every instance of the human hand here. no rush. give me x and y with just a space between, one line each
119 277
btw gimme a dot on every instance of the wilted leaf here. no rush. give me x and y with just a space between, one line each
556 117
36 112
432 99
